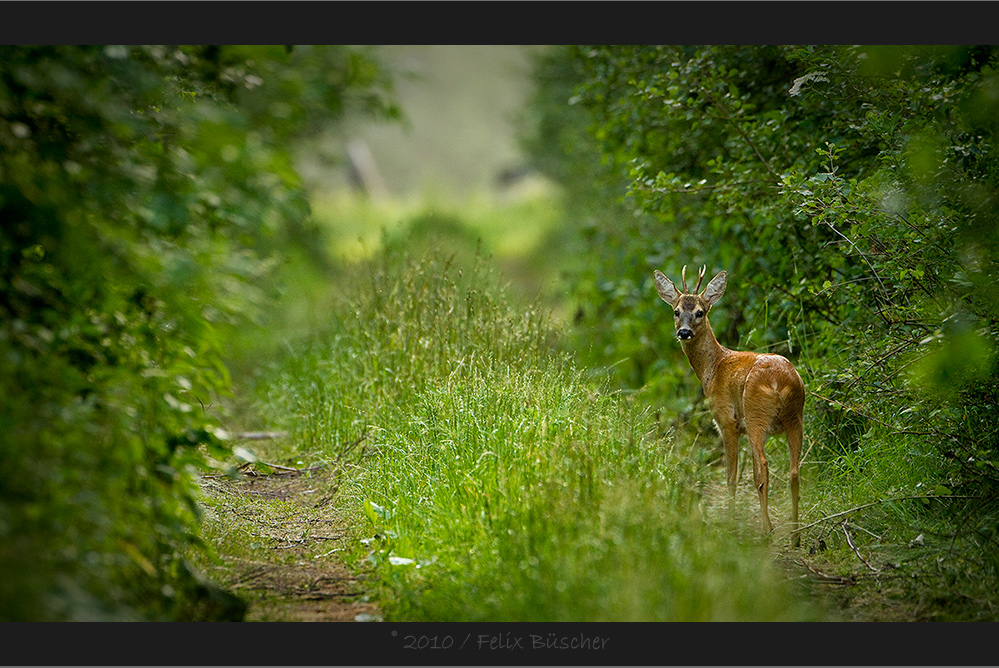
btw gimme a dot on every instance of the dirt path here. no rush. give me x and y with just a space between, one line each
278 537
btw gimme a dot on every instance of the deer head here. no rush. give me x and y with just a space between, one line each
690 309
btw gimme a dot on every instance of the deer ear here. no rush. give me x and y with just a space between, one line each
715 289
667 291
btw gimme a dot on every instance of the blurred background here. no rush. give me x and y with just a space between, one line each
457 146
463 108
448 168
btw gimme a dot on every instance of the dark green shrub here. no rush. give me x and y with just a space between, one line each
140 188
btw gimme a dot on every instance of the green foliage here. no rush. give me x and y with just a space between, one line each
139 188
850 191
493 479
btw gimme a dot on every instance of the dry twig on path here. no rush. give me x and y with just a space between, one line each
849 540
824 578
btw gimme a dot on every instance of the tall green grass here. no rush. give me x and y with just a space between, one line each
491 479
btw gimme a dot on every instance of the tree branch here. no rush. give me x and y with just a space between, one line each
742 133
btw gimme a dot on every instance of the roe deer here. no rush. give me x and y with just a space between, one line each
749 393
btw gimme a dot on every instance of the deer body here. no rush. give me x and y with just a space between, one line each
754 394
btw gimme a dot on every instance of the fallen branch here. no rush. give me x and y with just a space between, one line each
880 501
290 469
825 578
326 554
300 541
257 435
849 540
279 470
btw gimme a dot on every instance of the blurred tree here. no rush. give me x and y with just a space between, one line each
140 190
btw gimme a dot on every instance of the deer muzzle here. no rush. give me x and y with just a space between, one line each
684 334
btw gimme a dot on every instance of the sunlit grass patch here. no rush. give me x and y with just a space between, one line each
509 224
495 479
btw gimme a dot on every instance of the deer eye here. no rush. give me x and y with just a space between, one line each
700 313
676 313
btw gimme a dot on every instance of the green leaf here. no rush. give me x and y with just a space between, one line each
377 514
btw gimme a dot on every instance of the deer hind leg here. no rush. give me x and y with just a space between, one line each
730 439
794 438
729 431
761 472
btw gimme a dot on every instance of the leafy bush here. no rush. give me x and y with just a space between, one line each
850 192
139 191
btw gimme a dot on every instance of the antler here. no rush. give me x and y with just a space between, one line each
700 277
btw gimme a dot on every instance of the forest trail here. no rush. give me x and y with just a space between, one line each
291 571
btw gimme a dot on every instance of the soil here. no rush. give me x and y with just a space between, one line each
298 578
303 592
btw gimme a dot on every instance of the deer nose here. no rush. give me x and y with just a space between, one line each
684 334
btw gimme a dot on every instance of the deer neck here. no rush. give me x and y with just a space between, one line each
704 352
